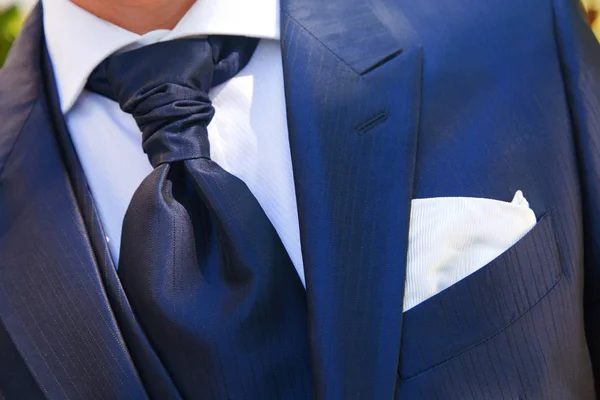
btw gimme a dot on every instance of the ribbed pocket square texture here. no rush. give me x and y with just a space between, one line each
452 237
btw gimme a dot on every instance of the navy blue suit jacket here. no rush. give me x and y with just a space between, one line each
387 100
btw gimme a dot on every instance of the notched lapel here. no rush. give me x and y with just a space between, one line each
352 73
52 302
361 34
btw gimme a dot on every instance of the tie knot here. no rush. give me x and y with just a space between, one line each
165 88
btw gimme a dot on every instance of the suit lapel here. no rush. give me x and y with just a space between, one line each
52 301
352 73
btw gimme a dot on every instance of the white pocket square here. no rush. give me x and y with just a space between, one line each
452 237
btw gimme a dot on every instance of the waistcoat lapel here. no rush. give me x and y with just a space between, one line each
52 300
352 74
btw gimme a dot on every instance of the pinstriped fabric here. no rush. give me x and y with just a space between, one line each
16 380
538 356
76 333
353 143
490 300
514 329
514 332
70 343
157 382
580 61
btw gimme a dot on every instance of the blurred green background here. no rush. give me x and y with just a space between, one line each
11 18
13 12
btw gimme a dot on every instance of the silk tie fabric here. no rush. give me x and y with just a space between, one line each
203 268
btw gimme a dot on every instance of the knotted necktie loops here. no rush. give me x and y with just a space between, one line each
172 111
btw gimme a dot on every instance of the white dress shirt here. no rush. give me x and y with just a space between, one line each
248 134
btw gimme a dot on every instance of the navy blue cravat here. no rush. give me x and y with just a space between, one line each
203 268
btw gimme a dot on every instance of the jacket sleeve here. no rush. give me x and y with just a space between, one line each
579 54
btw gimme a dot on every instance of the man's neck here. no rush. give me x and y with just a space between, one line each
138 16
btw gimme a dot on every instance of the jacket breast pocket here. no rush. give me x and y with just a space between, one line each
483 304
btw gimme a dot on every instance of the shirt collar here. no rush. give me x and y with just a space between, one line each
78 41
